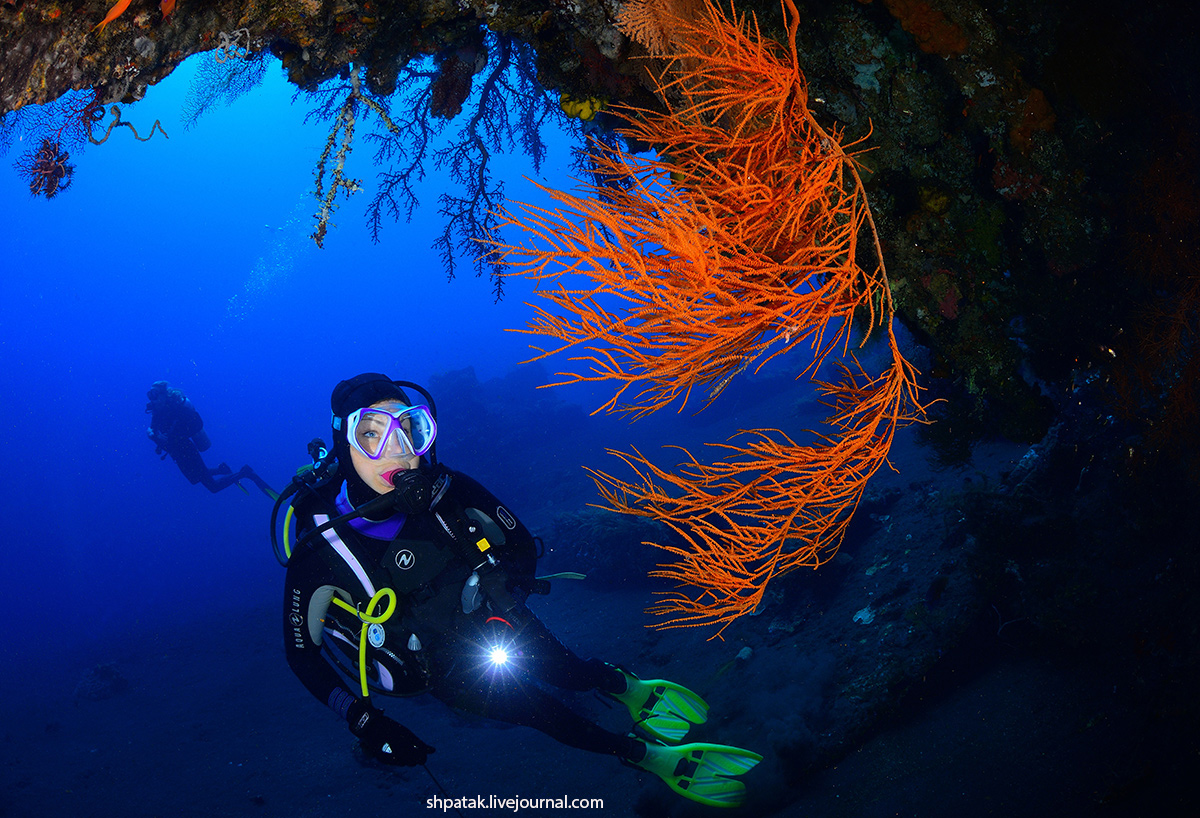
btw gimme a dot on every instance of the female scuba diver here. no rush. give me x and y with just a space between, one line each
408 577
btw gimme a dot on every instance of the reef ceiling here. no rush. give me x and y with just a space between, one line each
1033 163
52 47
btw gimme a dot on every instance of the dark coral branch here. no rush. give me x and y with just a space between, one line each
403 153
59 128
470 218
221 82
68 120
508 110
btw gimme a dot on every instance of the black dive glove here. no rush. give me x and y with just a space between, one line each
385 740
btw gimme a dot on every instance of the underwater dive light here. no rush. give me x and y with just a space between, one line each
499 649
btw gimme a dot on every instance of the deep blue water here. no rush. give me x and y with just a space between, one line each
189 259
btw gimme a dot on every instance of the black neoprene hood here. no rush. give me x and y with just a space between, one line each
364 390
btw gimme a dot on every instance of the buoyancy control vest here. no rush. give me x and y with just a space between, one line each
443 564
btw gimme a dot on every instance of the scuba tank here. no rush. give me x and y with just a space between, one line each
200 438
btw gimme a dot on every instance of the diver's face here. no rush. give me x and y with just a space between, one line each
378 473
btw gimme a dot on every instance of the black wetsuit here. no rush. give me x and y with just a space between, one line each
430 643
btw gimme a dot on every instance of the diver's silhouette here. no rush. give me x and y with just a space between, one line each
178 430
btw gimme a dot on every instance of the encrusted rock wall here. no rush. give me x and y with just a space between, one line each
50 48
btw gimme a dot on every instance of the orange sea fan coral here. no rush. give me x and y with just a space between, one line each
650 22
738 244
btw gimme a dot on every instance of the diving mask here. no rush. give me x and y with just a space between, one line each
407 431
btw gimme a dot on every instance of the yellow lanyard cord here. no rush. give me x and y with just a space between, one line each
367 620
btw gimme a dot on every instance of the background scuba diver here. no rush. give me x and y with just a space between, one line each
178 430
409 577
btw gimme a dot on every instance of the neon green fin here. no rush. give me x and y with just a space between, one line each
701 772
663 710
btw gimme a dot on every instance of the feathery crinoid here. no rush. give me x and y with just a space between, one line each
738 244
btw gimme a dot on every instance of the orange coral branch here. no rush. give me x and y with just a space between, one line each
739 243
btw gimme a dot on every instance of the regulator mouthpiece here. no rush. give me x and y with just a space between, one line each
414 492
